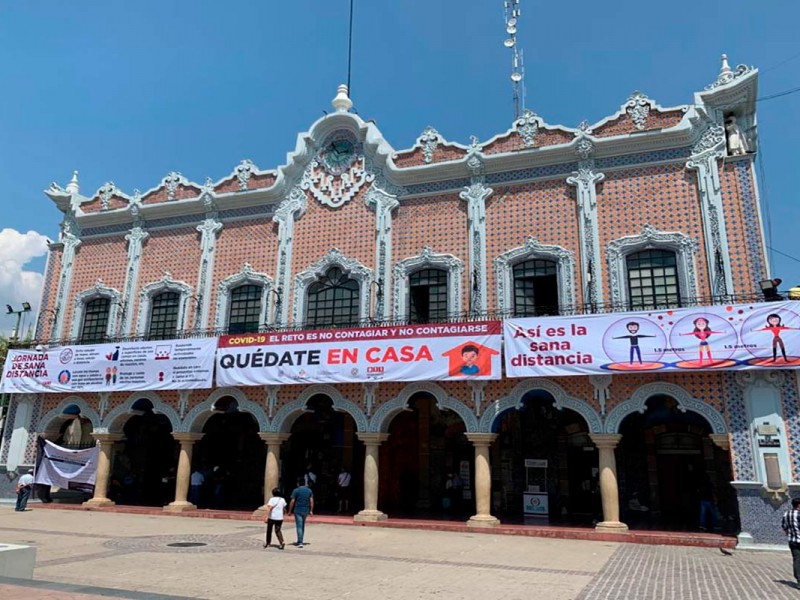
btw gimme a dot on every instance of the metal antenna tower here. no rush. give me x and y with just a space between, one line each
512 14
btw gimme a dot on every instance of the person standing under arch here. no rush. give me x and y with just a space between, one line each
302 505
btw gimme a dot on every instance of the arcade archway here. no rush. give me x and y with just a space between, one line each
564 480
230 456
144 464
324 440
668 465
427 464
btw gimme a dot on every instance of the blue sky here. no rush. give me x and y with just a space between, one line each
128 91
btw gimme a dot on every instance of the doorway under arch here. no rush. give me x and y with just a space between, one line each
231 457
539 431
426 446
324 440
667 464
145 460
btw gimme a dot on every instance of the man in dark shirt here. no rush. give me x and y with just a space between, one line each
791 527
633 329
302 505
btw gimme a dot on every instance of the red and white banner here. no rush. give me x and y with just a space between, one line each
457 351
123 367
726 337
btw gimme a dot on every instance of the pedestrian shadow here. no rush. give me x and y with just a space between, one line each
787 583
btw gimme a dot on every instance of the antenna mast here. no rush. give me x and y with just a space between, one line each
512 15
350 50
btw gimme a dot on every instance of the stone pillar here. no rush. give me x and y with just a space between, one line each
272 466
184 475
483 481
106 443
372 442
609 491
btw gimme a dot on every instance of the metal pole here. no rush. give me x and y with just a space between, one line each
350 51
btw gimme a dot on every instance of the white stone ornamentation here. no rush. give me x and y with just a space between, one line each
527 127
243 171
247 276
99 290
617 251
475 196
533 249
350 267
383 203
425 260
429 140
638 110
148 292
727 75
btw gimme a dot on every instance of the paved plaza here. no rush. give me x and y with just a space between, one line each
92 554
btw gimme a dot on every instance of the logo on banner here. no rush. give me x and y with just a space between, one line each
65 356
470 359
64 377
163 352
113 356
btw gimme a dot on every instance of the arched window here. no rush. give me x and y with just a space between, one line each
245 309
333 300
164 316
95 320
653 279
535 288
427 298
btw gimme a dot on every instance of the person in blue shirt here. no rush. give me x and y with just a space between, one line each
302 505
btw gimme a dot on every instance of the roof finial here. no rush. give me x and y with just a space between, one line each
72 186
726 68
342 102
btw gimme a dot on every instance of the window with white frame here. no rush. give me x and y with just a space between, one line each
164 310
244 315
427 297
96 313
652 279
535 288
333 300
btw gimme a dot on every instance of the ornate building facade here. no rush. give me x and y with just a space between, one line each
650 206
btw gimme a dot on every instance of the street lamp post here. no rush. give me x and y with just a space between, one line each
26 308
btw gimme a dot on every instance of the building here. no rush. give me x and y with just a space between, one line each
651 206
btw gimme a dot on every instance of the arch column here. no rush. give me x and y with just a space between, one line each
106 443
184 474
372 443
272 466
609 491
483 481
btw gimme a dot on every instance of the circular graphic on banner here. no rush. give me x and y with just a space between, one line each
772 336
634 344
64 377
703 341
65 356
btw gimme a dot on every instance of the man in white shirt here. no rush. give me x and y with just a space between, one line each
343 485
24 488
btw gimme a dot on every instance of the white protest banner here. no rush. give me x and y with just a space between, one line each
726 337
463 351
65 468
129 366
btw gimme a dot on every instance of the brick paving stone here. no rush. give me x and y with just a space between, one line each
637 572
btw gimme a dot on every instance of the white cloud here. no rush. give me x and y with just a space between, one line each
18 285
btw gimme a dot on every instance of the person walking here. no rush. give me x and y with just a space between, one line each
24 488
791 527
301 505
343 485
274 519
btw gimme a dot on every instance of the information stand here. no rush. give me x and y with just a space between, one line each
534 497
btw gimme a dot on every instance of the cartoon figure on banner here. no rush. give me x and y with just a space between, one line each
469 354
108 375
631 355
702 328
783 325
702 332
775 327
634 336
114 375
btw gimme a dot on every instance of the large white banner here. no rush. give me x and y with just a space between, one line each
459 351
65 468
131 366
727 337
